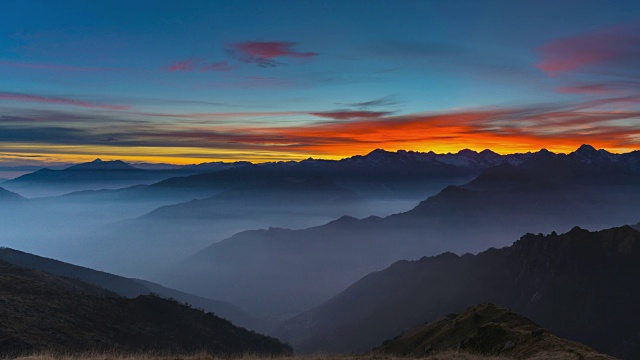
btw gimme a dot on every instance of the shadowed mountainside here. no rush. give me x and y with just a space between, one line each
579 285
486 330
41 311
6 195
128 287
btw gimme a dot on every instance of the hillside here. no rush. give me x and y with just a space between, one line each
47 312
6 196
579 285
128 287
486 330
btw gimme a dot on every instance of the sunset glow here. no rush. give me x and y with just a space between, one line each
81 85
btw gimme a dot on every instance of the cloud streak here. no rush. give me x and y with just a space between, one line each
266 53
44 66
560 127
349 115
615 49
59 101
182 65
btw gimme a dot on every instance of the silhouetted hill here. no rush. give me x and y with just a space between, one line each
545 192
486 330
579 285
47 312
128 287
6 195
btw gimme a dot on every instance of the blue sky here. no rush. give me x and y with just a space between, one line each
80 79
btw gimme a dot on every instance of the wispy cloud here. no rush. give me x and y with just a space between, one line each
349 114
614 50
219 66
605 123
383 101
182 65
45 66
59 101
266 53
192 64
589 89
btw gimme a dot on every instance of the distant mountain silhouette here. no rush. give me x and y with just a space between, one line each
6 195
280 192
93 175
379 173
486 330
546 192
42 312
127 287
579 285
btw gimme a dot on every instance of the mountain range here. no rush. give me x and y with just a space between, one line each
546 192
579 285
93 175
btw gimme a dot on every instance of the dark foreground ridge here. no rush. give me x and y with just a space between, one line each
44 312
580 285
487 330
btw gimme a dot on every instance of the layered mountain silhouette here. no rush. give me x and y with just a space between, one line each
546 192
378 174
93 175
42 312
293 202
128 287
486 330
579 285
287 192
6 195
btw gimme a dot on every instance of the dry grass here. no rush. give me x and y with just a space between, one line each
205 356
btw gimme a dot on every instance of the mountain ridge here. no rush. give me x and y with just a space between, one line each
126 287
574 284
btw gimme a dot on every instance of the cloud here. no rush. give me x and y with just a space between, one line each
59 101
349 114
265 53
190 64
614 50
383 101
44 66
182 65
589 89
605 123
219 66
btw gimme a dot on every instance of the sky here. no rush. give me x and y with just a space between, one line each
197 81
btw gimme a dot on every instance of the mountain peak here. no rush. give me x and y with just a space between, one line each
98 164
467 152
487 152
586 149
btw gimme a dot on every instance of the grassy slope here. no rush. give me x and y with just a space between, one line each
39 311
